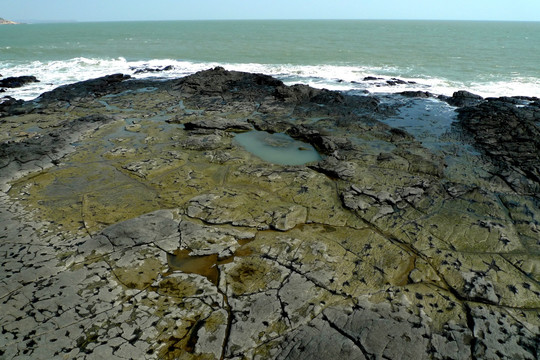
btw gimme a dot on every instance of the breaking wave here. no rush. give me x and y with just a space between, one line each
334 77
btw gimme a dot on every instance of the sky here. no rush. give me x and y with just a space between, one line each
129 10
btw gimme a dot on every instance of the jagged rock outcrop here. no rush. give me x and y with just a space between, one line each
94 87
508 131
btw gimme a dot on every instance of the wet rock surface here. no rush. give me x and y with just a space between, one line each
17 81
507 130
133 225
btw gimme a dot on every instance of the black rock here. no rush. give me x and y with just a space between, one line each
508 133
149 69
398 81
462 98
416 94
17 81
372 78
94 87
9 106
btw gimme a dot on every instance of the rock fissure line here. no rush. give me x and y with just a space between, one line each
230 316
355 341
529 276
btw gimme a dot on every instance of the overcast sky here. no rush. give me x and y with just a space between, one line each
121 10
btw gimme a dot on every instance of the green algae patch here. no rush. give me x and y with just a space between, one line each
246 207
140 276
251 275
121 203
312 190
91 196
346 260
176 287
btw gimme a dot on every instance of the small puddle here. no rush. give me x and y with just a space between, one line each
277 148
205 265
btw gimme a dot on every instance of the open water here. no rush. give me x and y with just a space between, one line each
487 58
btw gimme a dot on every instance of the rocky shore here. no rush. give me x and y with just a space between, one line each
7 22
134 223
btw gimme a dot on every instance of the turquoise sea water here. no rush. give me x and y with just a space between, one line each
489 58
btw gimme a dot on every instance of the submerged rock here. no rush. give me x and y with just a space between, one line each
133 224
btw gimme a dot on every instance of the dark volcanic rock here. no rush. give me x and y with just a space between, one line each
325 144
416 94
372 78
220 81
221 86
8 101
9 106
396 81
462 98
17 81
149 69
507 133
93 87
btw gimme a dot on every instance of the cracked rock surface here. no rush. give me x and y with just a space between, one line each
134 226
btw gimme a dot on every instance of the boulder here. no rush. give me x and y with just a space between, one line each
372 78
17 81
462 98
416 94
151 70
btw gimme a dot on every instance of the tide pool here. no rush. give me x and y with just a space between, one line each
277 148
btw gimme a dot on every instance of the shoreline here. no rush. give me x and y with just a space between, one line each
353 79
394 243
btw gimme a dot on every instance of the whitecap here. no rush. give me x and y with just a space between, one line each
342 77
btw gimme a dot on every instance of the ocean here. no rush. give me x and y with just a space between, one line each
487 58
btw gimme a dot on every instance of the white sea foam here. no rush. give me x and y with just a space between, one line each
334 77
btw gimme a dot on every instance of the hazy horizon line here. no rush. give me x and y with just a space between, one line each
58 21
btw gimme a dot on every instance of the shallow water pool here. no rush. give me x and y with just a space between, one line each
277 148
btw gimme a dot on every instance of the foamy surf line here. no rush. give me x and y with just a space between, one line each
343 78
